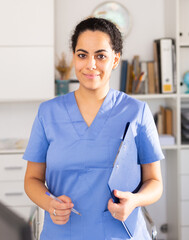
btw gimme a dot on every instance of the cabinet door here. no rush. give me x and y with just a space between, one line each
184 162
184 188
13 194
24 22
26 73
12 168
184 233
184 213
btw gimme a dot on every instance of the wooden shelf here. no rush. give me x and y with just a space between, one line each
184 45
154 96
23 100
184 95
170 147
184 146
11 151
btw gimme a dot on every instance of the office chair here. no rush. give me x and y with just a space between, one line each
151 223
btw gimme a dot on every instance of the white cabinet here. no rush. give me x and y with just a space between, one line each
12 194
26 73
177 157
177 26
12 167
26 50
184 196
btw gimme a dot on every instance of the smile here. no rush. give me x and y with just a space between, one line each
91 76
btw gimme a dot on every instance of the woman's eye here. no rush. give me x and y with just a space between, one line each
101 56
81 55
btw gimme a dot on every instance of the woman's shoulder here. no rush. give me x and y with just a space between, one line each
54 104
127 100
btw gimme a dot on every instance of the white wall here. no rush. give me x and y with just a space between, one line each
16 119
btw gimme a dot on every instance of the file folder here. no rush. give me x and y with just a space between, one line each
165 48
126 175
166 65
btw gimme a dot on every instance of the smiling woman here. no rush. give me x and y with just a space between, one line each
74 142
94 60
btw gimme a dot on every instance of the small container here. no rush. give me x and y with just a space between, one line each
62 86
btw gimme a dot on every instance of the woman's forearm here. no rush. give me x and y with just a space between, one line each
150 192
35 189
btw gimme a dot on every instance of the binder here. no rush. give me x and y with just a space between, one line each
156 72
124 65
151 77
143 66
126 175
168 121
166 66
136 72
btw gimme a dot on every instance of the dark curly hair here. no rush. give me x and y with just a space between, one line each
99 24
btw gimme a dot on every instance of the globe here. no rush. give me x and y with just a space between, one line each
116 13
186 81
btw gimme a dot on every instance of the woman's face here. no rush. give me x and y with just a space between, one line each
94 59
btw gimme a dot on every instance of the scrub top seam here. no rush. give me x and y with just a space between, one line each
140 129
64 103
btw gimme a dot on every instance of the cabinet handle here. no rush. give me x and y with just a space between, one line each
13 194
13 168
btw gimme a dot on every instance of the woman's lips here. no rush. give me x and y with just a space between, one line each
91 76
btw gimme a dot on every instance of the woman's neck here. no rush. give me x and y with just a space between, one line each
91 96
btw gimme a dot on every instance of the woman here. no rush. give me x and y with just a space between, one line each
74 142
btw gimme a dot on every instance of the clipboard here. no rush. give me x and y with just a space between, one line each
126 174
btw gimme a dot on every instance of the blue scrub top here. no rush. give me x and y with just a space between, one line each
79 160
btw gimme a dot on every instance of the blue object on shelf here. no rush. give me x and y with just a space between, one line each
62 86
186 81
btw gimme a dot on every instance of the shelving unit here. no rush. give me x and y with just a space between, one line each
26 79
176 156
176 12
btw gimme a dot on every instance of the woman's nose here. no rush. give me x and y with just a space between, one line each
91 63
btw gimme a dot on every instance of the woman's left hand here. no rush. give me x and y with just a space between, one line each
127 203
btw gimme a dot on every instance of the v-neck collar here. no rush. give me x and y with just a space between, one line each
83 130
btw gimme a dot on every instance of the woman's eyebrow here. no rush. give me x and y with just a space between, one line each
81 50
101 50
98 51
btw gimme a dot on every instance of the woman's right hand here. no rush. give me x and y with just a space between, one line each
60 212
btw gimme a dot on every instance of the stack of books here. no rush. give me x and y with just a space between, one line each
185 125
164 123
151 77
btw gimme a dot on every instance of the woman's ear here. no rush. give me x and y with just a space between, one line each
116 60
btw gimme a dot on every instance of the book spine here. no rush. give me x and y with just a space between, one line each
151 77
123 75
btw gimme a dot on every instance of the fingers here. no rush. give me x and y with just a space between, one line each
60 211
122 195
113 208
63 205
65 199
60 219
117 210
122 209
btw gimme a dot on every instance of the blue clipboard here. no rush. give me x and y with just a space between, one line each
126 174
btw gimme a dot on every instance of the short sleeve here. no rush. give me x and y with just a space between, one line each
37 146
149 149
